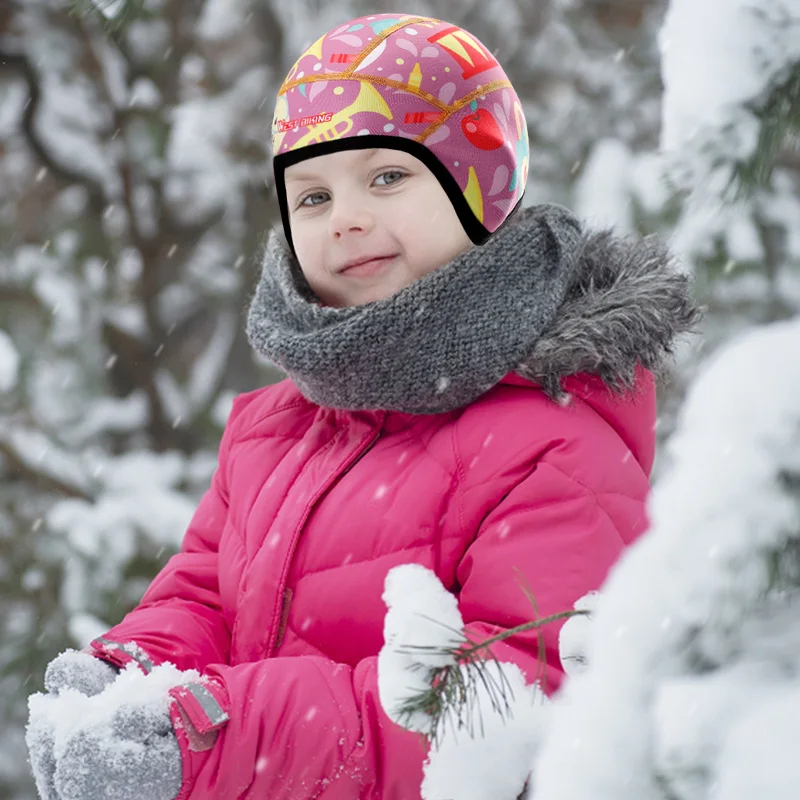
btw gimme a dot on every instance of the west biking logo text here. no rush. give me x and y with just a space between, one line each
284 125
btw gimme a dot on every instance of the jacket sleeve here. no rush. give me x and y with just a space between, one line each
305 727
180 619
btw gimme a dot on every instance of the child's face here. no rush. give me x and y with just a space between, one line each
381 204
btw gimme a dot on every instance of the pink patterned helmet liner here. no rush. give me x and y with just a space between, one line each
416 84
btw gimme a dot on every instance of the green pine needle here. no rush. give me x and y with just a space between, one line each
780 125
453 699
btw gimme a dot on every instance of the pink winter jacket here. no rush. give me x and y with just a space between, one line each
276 593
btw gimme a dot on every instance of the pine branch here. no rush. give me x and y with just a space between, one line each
541 659
780 124
453 699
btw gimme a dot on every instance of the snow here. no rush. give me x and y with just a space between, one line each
422 624
57 721
488 756
148 39
9 363
203 132
743 241
764 735
136 496
603 190
145 95
129 318
574 634
210 366
715 74
13 96
40 454
69 122
689 725
143 470
222 19
84 628
60 293
111 414
494 760
703 602
222 408
110 9
648 183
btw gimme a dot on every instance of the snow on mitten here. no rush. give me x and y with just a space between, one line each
116 744
574 637
40 740
492 759
421 624
71 669
74 669
136 756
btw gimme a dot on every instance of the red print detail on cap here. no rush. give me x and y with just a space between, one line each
470 54
421 117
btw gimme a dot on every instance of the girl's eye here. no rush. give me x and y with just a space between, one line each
313 199
390 176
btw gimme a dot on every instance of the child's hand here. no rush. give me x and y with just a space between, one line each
116 743
41 741
69 670
137 756
80 671
421 628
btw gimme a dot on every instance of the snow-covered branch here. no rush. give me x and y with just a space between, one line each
722 60
32 454
18 59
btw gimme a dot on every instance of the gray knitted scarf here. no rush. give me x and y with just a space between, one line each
541 298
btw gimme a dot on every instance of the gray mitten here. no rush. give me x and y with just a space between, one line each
40 739
76 670
136 757
69 670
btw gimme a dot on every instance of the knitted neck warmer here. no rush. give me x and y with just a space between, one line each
436 345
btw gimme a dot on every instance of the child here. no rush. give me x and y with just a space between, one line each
470 389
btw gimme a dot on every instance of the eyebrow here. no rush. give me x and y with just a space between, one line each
312 176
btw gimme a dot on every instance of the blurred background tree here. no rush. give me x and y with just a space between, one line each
135 192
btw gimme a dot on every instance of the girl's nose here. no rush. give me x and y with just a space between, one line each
348 218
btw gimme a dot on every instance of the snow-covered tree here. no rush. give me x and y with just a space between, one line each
693 686
135 186
731 113
694 650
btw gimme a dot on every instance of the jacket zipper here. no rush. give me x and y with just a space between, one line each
276 639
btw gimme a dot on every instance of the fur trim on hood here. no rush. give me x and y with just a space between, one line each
625 306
